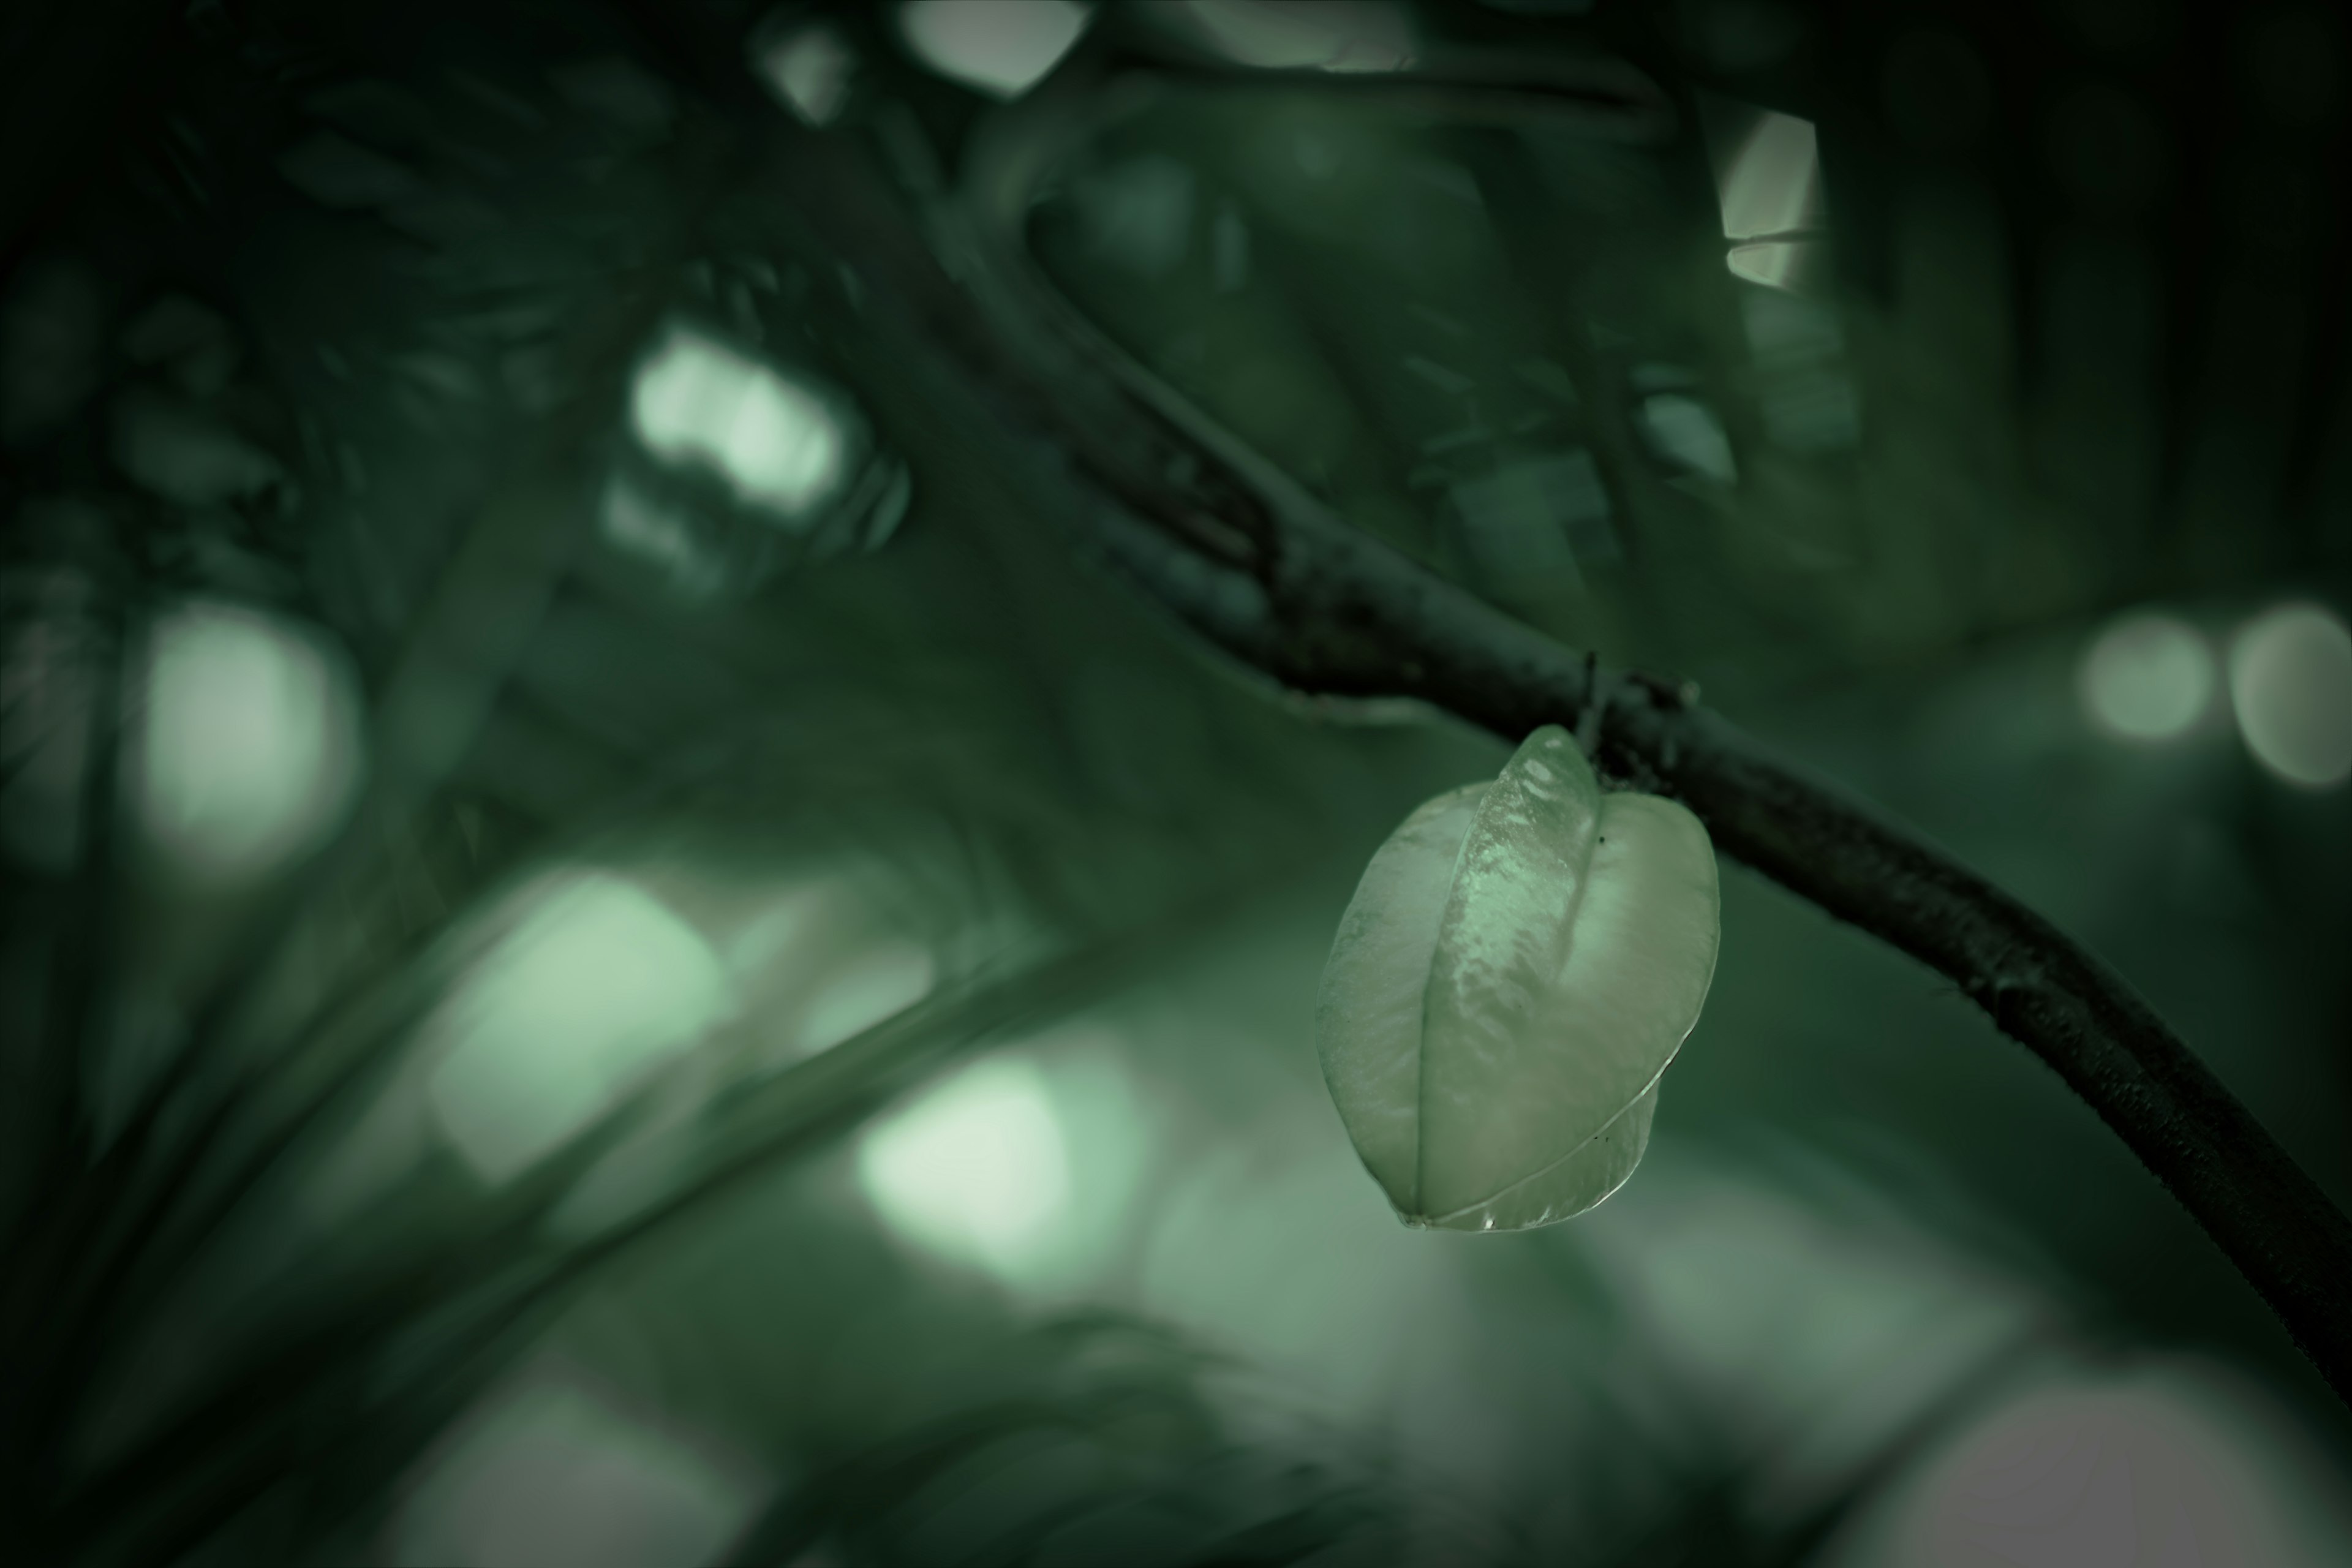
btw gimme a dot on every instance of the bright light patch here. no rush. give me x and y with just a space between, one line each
1319 35
557 1476
1770 193
250 745
977 1170
809 67
2170 1464
2145 678
1687 431
777 443
1787 264
1774 183
596 985
2291 681
1002 47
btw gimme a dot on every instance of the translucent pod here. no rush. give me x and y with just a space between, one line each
1518 965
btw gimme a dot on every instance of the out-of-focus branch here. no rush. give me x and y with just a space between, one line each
1253 563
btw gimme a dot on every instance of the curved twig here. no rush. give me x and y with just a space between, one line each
1256 565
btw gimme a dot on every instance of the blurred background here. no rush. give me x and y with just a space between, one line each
619 953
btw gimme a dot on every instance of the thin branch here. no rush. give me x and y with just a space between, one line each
1256 565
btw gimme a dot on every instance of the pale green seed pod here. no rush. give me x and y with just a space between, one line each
1518 965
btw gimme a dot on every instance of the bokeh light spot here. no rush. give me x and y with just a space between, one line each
1687 431
555 1475
1795 264
809 67
596 985
1002 47
2291 682
2146 677
1774 185
2165 1462
977 1171
250 744
777 443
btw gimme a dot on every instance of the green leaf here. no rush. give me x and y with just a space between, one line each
1518 965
